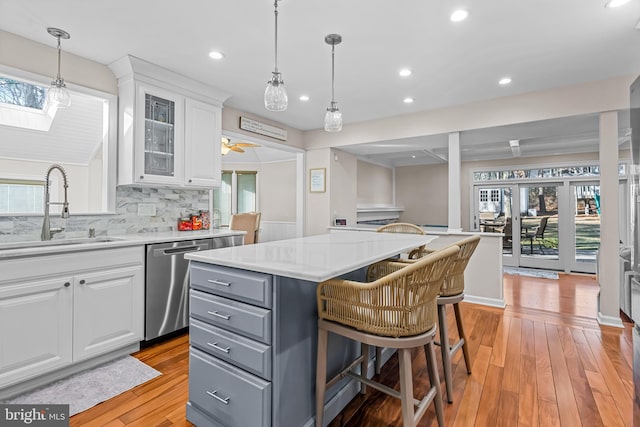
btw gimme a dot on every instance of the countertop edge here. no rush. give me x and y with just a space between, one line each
119 241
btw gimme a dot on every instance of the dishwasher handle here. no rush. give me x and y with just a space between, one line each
179 250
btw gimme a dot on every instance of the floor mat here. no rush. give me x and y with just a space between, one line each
532 272
85 389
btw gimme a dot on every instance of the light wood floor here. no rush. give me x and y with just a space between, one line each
542 361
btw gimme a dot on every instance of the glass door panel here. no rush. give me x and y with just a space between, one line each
539 226
586 226
159 149
495 215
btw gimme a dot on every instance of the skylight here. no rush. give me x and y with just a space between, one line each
23 105
23 94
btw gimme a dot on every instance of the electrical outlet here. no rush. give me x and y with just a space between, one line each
146 209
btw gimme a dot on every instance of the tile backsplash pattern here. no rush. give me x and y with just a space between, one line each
170 203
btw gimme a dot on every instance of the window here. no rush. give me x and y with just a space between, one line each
21 196
237 194
22 94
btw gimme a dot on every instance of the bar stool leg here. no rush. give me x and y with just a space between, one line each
434 378
378 360
444 348
364 366
406 388
465 347
321 375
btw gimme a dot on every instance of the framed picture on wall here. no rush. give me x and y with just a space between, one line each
317 180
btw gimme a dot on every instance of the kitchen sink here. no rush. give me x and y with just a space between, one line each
56 242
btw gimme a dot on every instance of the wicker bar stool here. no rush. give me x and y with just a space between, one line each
452 292
398 311
399 227
407 228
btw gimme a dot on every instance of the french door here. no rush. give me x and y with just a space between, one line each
531 218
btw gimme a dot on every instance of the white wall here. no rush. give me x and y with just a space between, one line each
317 205
375 184
344 182
277 191
586 98
24 54
231 123
423 192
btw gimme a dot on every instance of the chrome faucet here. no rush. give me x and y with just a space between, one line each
47 231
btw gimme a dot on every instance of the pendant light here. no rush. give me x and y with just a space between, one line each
333 118
275 95
57 93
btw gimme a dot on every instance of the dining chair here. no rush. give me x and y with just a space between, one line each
249 222
398 310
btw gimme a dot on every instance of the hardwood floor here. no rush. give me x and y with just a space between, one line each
542 361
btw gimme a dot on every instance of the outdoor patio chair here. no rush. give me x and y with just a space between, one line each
536 235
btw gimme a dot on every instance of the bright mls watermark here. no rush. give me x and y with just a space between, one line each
34 415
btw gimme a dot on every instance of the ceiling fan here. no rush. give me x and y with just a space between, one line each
227 145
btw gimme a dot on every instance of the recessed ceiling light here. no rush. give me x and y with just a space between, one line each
304 98
405 72
615 3
214 54
408 100
413 157
504 81
459 15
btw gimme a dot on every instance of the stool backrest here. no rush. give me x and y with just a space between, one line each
453 283
401 303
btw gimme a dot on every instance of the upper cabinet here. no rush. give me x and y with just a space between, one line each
169 127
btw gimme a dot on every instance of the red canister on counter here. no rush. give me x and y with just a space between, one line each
196 222
185 224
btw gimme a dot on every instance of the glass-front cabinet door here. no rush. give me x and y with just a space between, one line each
159 130
160 158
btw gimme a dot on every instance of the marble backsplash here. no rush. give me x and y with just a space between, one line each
170 204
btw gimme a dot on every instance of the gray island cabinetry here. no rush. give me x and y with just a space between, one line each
253 327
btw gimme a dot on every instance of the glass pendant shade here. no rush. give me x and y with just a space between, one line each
59 95
333 116
275 95
333 119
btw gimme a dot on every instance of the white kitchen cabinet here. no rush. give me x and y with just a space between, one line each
203 160
35 327
159 136
106 311
61 309
169 127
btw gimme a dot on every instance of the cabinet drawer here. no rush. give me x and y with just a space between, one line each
245 319
241 285
231 396
233 348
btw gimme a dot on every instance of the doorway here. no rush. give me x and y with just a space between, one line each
530 216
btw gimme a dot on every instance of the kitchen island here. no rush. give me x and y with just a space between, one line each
254 326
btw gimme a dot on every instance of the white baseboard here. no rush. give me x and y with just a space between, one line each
491 302
609 321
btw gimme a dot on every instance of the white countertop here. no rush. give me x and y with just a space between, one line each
314 258
23 249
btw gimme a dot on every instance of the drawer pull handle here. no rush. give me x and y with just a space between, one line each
218 282
215 396
222 316
217 347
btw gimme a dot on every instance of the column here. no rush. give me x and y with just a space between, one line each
608 273
454 182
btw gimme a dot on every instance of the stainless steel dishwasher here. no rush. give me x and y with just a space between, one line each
167 286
